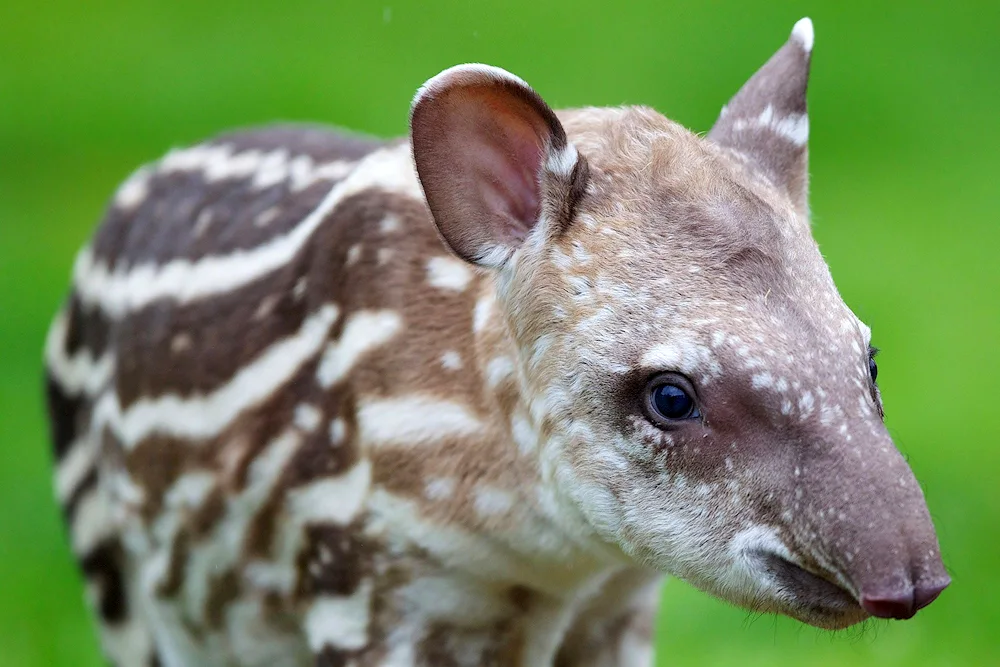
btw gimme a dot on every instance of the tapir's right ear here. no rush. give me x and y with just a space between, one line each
490 153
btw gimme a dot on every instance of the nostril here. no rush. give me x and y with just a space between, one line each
925 594
900 606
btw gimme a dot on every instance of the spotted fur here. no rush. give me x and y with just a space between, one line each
323 399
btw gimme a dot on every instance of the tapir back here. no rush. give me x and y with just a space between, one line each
204 381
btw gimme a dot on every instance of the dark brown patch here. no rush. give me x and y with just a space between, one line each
104 566
86 328
64 413
222 334
221 591
333 561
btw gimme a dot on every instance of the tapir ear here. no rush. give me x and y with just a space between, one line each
489 153
767 121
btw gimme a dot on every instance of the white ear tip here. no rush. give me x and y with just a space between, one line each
802 32
465 72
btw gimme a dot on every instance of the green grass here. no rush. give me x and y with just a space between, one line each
904 101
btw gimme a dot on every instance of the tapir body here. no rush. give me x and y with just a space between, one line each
464 399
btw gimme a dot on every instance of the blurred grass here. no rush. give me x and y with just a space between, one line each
904 192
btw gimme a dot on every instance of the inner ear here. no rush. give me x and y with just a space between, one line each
484 144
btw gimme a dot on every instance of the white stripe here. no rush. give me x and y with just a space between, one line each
267 168
205 416
410 419
793 127
332 499
92 522
183 281
81 373
363 332
75 465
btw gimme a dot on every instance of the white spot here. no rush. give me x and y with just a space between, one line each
498 369
340 621
183 280
524 434
806 403
761 380
265 217
307 417
338 431
389 224
384 255
198 416
448 273
802 32
331 499
439 488
353 254
299 290
481 315
180 343
451 360
490 501
202 222
363 332
413 419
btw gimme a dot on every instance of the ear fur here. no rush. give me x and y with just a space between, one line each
767 120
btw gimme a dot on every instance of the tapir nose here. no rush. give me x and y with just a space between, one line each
903 604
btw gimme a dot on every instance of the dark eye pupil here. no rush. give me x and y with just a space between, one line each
672 402
873 369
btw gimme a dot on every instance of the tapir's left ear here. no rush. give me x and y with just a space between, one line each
767 120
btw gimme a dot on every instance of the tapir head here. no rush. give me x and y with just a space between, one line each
695 390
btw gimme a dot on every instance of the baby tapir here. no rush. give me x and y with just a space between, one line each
463 399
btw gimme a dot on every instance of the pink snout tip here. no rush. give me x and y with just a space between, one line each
903 605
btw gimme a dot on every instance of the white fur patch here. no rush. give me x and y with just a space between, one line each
307 417
340 621
439 488
794 127
206 415
451 360
562 162
491 501
364 331
332 499
75 465
410 420
448 273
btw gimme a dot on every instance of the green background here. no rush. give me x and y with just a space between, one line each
905 158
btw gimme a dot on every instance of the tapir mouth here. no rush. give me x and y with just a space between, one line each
818 595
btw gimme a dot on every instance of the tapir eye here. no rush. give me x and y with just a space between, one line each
670 399
872 366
